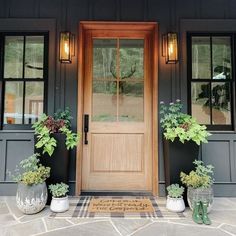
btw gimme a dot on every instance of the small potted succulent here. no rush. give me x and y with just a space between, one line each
199 183
60 202
31 195
175 200
182 136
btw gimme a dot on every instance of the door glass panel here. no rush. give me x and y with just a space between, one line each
200 102
131 101
131 59
104 59
34 53
13 108
13 57
221 55
125 69
201 58
221 107
131 81
104 101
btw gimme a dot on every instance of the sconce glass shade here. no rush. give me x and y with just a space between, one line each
66 47
170 48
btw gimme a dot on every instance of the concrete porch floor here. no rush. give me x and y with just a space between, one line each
14 223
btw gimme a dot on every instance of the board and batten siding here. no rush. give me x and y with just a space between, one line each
31 15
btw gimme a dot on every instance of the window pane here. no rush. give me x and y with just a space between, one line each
131 58
104 101
221 107
131 101
221 53
13 59
104 59
13 106
34 55
33 101
201 58
200 102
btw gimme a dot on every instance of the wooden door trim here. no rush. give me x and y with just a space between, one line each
152 27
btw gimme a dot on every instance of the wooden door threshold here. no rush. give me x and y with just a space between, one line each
108 193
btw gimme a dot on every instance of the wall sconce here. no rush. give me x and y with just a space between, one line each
67 47
170 48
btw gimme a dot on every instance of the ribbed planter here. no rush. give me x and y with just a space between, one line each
175 204
200 194
31 199
58 162
59 204
178 157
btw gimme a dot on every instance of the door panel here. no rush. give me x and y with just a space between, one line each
123 152
118 99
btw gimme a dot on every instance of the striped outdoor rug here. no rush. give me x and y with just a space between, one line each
79 209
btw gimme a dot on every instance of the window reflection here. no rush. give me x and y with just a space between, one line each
13 109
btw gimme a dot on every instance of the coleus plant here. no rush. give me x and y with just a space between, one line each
48 125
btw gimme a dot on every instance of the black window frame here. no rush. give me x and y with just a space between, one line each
212 127
3 80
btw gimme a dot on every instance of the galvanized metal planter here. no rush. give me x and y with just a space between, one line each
200 194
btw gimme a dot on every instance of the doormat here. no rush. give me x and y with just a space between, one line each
81 207
109 205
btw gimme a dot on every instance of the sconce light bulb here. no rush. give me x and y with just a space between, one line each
66 48
171 49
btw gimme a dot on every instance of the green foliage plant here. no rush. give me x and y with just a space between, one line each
177 124
30 171
59 190
201 177
59 123
175 191
64 115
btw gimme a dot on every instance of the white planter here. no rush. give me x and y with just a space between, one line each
175 204
59 204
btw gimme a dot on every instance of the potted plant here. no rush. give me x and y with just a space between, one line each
199 183
182 137
175 200
53 139
31 195
60 202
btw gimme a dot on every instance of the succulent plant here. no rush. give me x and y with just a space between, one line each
59 190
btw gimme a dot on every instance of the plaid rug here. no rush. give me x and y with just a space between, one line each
79 209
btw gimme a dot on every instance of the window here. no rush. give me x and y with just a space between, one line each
211 79
23 78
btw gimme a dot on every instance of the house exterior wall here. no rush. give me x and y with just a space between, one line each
59 15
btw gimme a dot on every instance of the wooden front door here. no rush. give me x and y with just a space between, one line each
118 101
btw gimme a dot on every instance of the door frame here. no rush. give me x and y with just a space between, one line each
152 27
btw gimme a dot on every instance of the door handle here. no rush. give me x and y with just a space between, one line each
86 128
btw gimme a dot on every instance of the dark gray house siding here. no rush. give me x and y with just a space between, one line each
176 15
